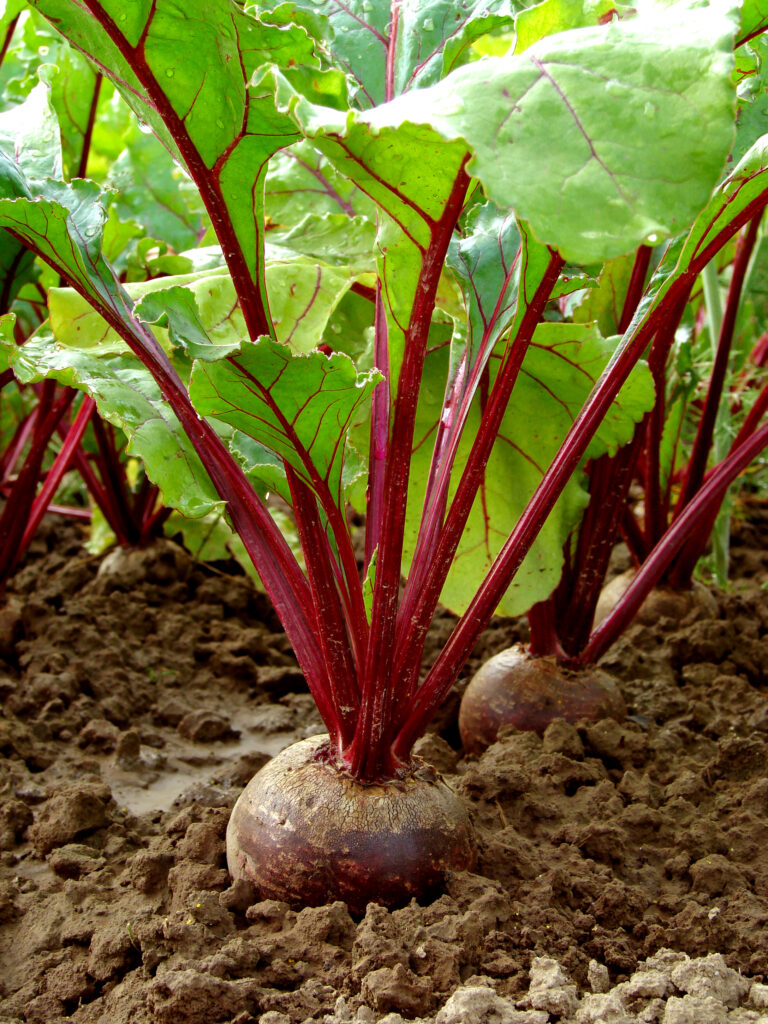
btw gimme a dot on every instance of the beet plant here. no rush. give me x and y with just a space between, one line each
710 398
401 194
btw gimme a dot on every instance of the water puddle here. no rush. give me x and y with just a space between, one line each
161 779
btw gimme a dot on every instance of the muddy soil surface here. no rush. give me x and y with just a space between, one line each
623 869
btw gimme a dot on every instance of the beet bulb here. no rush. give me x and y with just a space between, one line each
305 832
662 602
513 688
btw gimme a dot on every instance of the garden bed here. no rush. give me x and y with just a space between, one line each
140 694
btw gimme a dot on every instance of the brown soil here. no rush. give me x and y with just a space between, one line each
138 701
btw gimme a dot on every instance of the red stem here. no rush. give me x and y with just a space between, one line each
709 497
88 133
655 502
273 559
422 602
58 469
422 706
152 525
633 536
353 596
394 23
753 417
113 480
703 442
101 496
636 287
379 442
681 573
8 37
453 418
431 693
572 607
543 640
19 502
333 637
70 512
249 292
369 755
577 595
13 452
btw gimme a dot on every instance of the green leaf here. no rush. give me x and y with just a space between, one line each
9 9
489 260
16 403
499 268
75 86
208 299
210 539
750 324
408 171
302 179
155 192
752 124
559 370
7 342
745 190
186 72
604 303
303 292
17 268
350 330
420 39
299 407
754 18
29 134
178 310
553 16
558 139
202 309
265 470
332 239
63 223
128 397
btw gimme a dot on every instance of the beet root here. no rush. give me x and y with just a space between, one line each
305 832
662 602
515 689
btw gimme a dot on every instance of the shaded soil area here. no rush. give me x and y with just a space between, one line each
623 869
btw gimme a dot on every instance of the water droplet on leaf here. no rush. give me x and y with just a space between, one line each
429 25
219 123
651 238
169 72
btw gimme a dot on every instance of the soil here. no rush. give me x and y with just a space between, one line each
623 868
